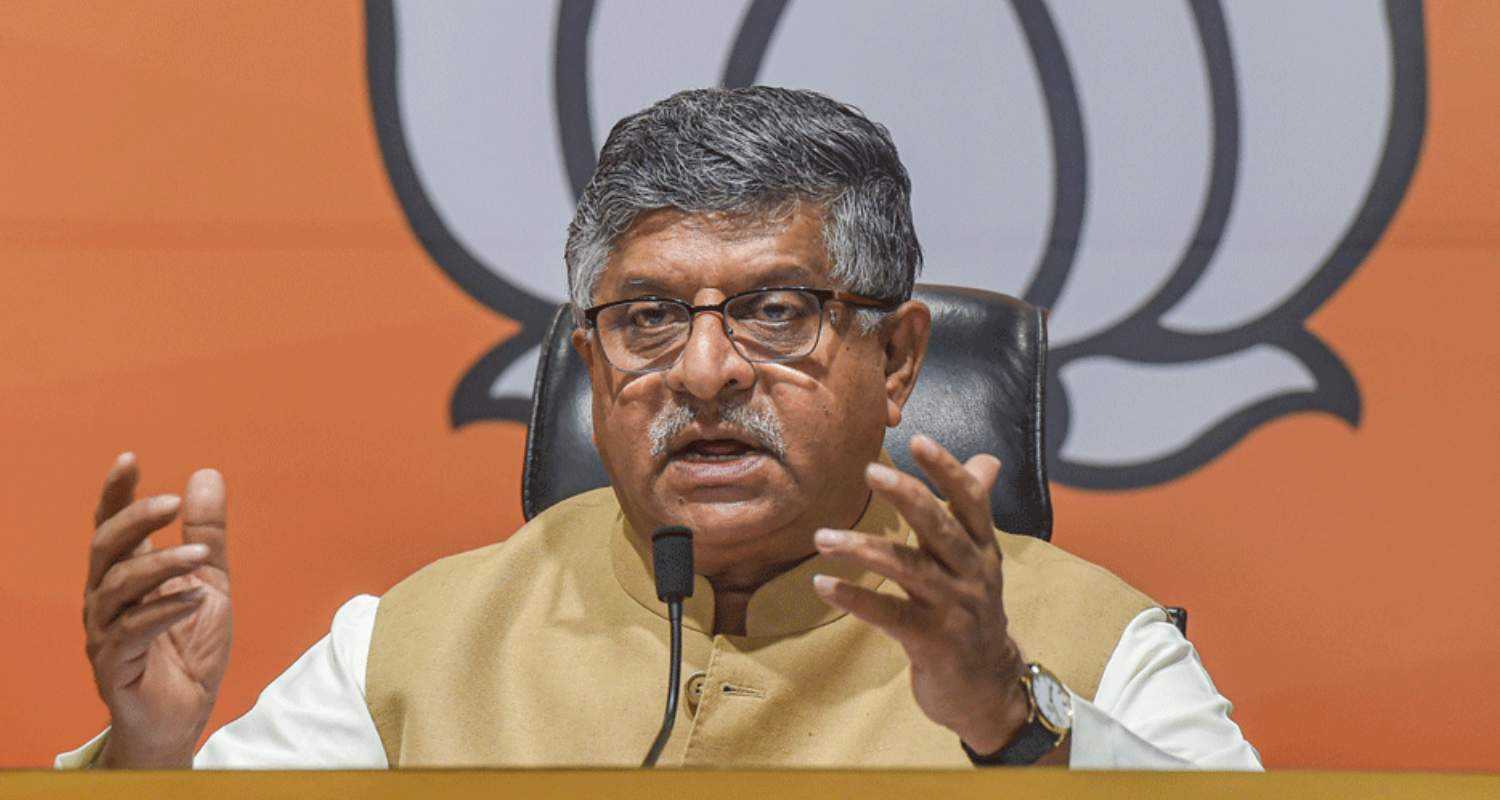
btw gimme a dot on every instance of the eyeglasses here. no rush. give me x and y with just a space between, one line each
647 334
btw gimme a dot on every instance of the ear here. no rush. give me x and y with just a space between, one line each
583 344
903 335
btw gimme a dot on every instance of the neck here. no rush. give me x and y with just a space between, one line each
734 587
737 583
737 576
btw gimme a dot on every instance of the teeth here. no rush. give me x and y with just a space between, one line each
720 450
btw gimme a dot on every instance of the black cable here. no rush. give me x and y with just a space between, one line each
674 679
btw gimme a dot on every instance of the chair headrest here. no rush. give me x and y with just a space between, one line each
980 391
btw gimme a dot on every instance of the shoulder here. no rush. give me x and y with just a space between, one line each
542 541
1031 558
1064 611
497 580
450 601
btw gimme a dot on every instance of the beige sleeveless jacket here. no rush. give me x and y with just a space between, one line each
550 649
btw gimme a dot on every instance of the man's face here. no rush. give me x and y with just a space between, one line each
752 456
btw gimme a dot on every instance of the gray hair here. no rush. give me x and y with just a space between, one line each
755 152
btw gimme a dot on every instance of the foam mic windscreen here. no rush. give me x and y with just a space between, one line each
672 555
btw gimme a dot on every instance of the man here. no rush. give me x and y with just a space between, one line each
743 264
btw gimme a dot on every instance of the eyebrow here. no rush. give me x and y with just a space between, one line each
790 275
646 285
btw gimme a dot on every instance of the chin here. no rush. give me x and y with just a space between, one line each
734 520
731 505
726 486
725 534
730 516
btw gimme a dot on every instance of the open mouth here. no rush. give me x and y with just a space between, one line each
714 450
717 462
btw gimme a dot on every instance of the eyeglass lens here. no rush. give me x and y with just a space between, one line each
647 335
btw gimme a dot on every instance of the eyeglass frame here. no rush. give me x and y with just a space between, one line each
823 296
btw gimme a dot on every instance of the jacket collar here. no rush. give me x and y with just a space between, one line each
787 604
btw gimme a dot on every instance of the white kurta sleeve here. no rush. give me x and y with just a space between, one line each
312 716
83 756
1156 708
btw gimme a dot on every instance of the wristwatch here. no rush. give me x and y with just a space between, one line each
1048 722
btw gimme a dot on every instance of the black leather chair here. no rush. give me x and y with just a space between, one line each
980 391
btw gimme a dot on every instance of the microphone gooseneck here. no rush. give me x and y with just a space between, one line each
672 557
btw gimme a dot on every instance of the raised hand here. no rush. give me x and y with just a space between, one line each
965 668
157 620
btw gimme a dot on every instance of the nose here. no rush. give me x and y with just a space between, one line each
710 368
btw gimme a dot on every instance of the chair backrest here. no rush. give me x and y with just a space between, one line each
980 391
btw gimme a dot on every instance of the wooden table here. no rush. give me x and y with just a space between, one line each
1054 784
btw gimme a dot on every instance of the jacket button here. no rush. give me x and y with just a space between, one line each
695 692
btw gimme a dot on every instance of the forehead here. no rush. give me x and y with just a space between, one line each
672 252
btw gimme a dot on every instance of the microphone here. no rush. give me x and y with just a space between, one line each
672 556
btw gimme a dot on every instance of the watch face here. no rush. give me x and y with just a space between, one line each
1052 701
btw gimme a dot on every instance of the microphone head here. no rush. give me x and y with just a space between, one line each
672 557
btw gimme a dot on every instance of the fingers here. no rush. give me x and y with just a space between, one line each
914 570
121 533
898 618
119 488
127 582
938 532
967 488
205 516
986 468
135 628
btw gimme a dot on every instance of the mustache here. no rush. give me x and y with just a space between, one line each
760 427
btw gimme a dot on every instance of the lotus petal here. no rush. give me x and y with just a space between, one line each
1144 94
956 86
1116 405
1314 82
475 94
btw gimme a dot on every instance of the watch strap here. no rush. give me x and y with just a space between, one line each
1034 740
1031 743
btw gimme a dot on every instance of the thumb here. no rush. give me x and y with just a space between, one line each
204 515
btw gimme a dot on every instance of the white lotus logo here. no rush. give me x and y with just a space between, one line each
1183 184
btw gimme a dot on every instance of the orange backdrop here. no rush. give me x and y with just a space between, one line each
201 259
